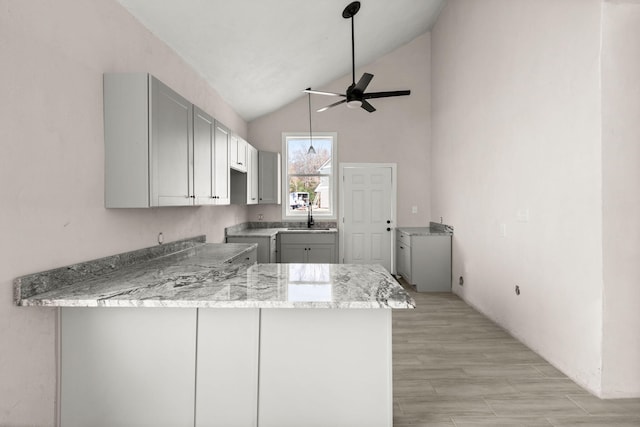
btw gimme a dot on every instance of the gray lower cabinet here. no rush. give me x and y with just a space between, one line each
312 247
266 246
424 261
159 367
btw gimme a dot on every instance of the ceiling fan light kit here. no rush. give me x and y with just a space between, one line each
355 95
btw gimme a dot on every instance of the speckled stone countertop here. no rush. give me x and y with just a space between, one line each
434 229
197 276
268 229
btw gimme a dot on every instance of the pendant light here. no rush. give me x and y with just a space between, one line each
311 149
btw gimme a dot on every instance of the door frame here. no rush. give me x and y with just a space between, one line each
394 206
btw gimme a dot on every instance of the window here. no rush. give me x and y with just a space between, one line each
309 179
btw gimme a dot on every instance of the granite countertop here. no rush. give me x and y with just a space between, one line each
200 275
434 229
268 229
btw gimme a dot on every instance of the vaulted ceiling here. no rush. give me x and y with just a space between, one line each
260 54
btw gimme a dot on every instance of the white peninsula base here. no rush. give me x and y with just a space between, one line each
226 367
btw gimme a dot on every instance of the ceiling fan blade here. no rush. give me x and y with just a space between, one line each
386 94
368 106
363 82
332 105
317 92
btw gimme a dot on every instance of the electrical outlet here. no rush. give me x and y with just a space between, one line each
260 217
160 238
517 290
461 281
414 209
523 215
503 230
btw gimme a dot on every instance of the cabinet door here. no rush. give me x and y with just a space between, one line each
237 153
227 374
263 245
171 124
273 252
233 150
127 367
252 175
403 260
241 159
431 263
203 133
269 182
293 253
321 254
221 165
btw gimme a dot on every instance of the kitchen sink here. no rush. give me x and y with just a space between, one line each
307 229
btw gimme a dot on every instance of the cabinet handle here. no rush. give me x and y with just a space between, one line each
388 221
239 163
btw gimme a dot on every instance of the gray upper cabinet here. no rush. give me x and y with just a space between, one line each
252 175
211 178
171 124
244 186
160 150
203 144
221 180
269 178
237 153
147 131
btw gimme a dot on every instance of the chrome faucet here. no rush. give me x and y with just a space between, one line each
310 216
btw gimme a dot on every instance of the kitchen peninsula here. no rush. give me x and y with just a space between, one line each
191 333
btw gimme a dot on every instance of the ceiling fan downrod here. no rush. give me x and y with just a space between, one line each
349 12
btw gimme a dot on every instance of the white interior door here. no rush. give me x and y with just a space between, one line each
368 214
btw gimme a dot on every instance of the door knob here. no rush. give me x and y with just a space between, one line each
388 229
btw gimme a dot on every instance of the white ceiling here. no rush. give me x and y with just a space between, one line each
260 54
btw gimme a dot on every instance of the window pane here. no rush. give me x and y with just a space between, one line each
301 162
305 190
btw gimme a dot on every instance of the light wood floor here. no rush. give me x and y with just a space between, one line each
454 367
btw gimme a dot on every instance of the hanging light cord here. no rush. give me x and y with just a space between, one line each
311 149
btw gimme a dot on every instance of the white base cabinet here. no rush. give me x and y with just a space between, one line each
225 367
127 367
326 367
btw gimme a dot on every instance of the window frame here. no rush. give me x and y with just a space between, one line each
333 176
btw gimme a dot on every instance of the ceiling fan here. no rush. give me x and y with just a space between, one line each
355 95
